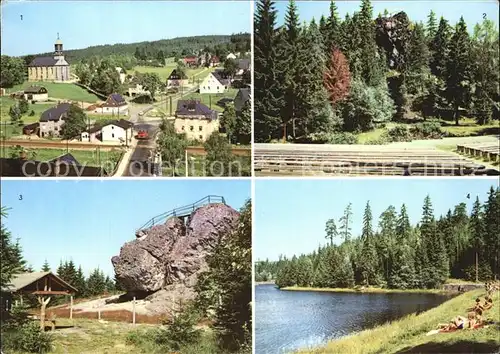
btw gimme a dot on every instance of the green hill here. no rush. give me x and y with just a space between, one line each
170 47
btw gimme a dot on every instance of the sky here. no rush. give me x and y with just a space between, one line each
88 221
88 23
290 214
417 10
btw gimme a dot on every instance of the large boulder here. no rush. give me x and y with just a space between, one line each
171 255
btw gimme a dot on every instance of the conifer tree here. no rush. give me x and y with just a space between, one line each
368 267
431 26
333 28
417 61
331 230
477 232
269 94
80 283
458 74
314 112
439 47
337 77
45 266
345 223
492 225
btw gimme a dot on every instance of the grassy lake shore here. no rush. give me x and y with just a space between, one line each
369 290
408 335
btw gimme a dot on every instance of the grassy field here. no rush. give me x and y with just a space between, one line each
408 335
165 71
467 127
210 100
7 102
369 290
93 337
62 91
88 157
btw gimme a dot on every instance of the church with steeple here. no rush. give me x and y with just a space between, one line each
53 68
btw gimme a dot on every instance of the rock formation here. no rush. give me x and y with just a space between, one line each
393 35
165 260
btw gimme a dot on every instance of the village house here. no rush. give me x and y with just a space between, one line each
36 94
113 131
135 89
121 73
115 104
214 61
242 65
231 56
195 120
53 119
191 60
53 68
215 82
241 98
176 79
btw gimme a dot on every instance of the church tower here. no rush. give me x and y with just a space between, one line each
58 49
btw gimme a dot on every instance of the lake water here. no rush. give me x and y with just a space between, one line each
288 320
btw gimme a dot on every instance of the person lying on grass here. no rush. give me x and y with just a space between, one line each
473 321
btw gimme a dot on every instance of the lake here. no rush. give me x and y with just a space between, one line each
288 320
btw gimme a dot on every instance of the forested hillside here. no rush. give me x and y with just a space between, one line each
397 254
170 47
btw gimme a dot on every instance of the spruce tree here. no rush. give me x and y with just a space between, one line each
333 28
492 225
458 70
45 266
268 92
368 267
331 230
439 47
345 222
417 61
323 29
385 241
369 56
486 77
431 26
80 283
12 261
294 51
314 112
477 231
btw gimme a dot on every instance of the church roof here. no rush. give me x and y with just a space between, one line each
44 61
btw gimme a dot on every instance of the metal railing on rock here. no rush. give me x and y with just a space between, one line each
182 211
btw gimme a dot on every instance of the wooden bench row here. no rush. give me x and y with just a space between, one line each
270 169
489 152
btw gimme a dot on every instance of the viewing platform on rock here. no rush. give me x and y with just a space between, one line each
182 212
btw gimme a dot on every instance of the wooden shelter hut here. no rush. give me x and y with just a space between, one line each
43 285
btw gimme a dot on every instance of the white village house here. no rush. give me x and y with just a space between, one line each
36 94
231 56
215 82
115 104
114 131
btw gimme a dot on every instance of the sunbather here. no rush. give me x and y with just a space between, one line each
488 303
